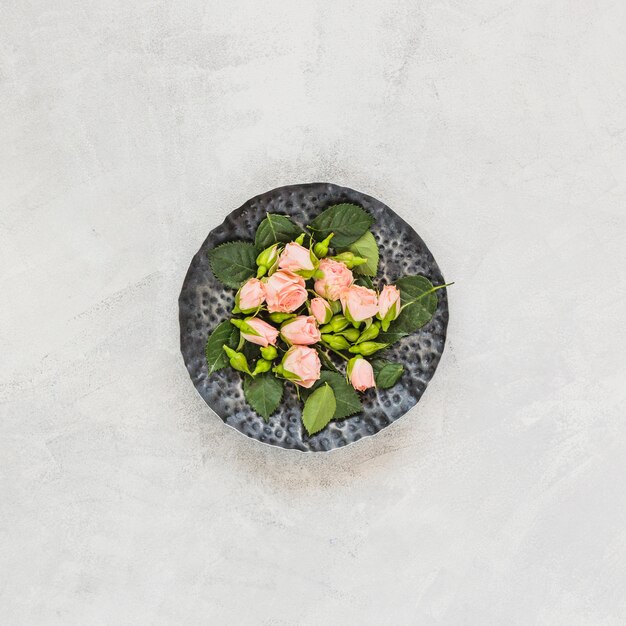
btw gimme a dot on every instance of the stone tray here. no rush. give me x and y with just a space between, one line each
204 302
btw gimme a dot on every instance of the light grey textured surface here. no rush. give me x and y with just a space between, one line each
130 129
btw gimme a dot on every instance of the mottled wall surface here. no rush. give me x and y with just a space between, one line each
128 130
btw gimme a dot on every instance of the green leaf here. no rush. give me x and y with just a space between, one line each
233 262
387 373
391 336
347 221
263 393
319 409
364 280
273 229
419 302
366 247
347 399
224 333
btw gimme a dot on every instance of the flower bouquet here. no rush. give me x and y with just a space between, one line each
307 313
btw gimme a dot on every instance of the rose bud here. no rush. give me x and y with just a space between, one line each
321 249
284 292
267 260
349 259
269 353
251 296
359 303
335 277
301 365
337 324
301 331
360 373
237 360
262 366
368 347
351 334
256 331
321 310
388 305
370 333
336 342
297 259
335 306
279 318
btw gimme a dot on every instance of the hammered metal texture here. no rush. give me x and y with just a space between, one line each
204 302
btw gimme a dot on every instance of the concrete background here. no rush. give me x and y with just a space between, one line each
128 130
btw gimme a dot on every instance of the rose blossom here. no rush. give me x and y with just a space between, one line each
389 303
284 292
321 310
303 364
361 374
251 295
296 258
359 303
336 277
266 336
301 330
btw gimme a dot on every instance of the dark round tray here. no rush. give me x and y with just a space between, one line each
204 302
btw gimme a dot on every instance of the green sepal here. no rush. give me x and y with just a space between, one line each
351 334
269 353
368 347
244 327
335 305
349 259
279 370
238 360
261 367
371 332
279 318
321 249
336 342
336 324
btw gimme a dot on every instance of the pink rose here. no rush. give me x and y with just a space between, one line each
336 277
302 365
296 258
389 303
251 295
359 303
301 330
284 292
361 374
321 310
265 335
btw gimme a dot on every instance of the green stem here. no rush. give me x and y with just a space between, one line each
425 294
442 286
343 356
